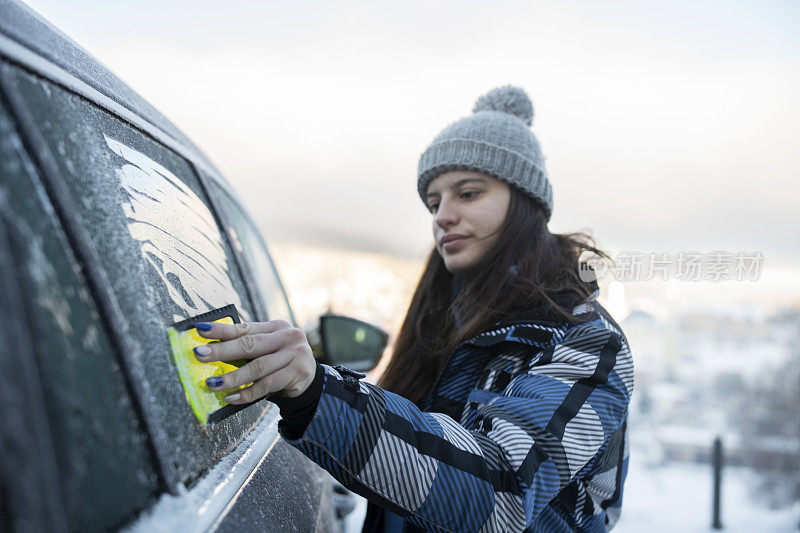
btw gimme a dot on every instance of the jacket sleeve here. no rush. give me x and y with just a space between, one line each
534 438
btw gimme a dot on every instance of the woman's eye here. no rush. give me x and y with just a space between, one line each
433 207
469 195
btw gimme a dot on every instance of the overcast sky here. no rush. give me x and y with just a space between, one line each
666 126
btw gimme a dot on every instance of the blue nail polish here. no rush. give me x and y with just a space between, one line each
214 382
202 351
203 326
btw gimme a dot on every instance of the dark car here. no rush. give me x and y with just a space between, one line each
113 226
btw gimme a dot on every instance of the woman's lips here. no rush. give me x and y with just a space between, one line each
453 244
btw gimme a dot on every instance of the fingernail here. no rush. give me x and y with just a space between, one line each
202 351
216 381
203 326
232 397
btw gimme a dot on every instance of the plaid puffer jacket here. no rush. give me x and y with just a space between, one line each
524 430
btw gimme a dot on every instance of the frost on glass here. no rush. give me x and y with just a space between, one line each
156 244
175 230
105 469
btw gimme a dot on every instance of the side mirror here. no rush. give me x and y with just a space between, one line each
350 342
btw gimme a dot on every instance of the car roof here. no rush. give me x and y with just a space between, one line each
27 31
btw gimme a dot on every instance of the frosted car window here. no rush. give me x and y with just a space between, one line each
176 232
105 469
247 238
158 244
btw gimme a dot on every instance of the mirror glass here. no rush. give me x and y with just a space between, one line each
351 343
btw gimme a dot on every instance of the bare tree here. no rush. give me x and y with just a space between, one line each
769 424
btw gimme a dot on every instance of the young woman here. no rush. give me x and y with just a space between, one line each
504 405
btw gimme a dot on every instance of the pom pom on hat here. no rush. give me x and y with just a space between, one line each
507 99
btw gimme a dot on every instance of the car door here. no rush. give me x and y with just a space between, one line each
130 219
75 454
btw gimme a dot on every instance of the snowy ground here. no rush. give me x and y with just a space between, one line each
355 520
677 498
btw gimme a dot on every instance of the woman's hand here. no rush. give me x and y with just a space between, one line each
281 358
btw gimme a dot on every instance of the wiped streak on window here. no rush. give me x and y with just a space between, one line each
189 257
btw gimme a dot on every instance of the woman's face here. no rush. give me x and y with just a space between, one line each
468 210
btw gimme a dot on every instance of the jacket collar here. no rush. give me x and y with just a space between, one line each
538 326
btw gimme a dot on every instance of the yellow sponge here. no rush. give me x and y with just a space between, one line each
208 406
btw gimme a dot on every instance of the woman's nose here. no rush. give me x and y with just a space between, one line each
446 215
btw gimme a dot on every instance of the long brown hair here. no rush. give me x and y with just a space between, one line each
528 267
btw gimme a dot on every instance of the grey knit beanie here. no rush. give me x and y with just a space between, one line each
496 140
